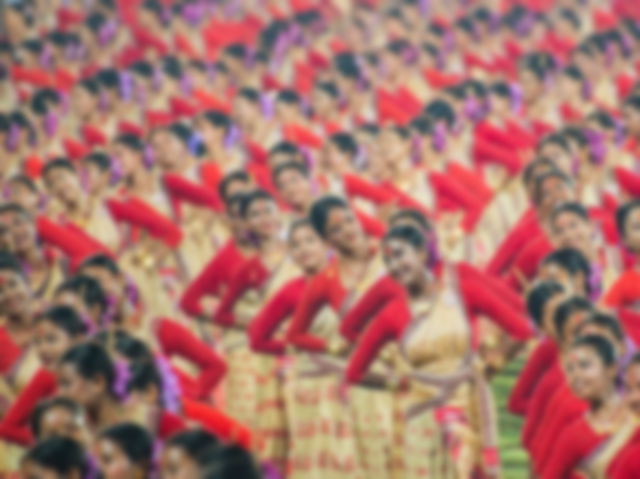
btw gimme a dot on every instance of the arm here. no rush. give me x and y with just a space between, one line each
15 424
355 186
175 339
315 296
479 298
263 327
372 226
222 426
356 319
183 189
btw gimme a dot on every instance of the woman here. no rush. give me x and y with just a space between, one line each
125 450
446 387
180 453
85 295
314 329
56 457
55 331
585 445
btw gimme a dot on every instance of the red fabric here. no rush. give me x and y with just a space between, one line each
251 275
539 401
182 107
302 136
73 241
372 226
625 292
628 181
525 265
9 351
75 150
525 229
130 128
169 425
15 426
213 278
180 189
218 423
575 444
93 136
268 321
545 353
176 340
323 289
356 186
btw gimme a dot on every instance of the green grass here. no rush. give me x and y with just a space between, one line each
514 458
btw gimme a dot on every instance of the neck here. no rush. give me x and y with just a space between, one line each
605 402
423 286
103 412
271 244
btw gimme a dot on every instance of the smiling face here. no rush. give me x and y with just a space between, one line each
14 293
21 229
294 189
60 421
263 218
572 231
86 392
177 464
307 249
114 463
588 376
404 262
343 231
51 342
64 185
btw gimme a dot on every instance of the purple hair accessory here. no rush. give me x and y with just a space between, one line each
619 136
156 80
233 136
185 84
416 148
121 380
270 471
587 89
50 123
171 391
117 171
472 109
193 13
107 33
595 282
423 5
516 97
91 326
440 136
148 157
195 143
126 85
13 137
597 146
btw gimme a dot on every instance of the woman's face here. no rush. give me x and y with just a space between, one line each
560 157
294 188
112 285
14 293
588 376
113 462
22 230
307 249
632 231
263 218
61 422
82 102
572 231
68 298
632 388
177 464
24 196
572 284
553 192
128 159
63 185
531 85
343 231
404 262
85 392
51 343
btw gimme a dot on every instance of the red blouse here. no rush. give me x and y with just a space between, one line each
277 310
539 401
625 292
175 339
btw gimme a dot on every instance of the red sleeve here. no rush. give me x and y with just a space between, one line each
74 245
539 401
616 296
272 315
356 319
574 444
628 181
371 226
197 194
513 299
628 465
510 246
530 376
210 280
471 180
356 186
15 424
388 326
525 265
315 296
215 421
9 351
175 339
169 425
250 276
481 299
485 151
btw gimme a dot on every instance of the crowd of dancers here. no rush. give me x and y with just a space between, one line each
297 238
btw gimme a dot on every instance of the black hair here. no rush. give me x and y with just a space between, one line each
108 78
287 166
414 215
633 102
33 46
61 454
142 68
14 208
572 261
601 346
142 375
9 262
217 119
25 181
134 441
422 124
91 361
407 234
574 73
440 110
59 38
45 406
540 180
126 345
192 442
537 299
605 321
180 132
90 86
530 171
540 64
571 17
130 141
500 89
622 215
100 160
228 462
87 288
321 209
95 22
347 66
289 97
58 163
238 175
250 94
555 139
566 309
172 68
602 119
65 318
572 207
42 98
250 198
345 143
329 88
284 147
101 261
236 50
575 134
